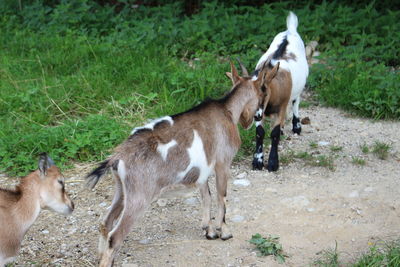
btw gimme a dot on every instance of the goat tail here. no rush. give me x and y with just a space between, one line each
93 178
292 22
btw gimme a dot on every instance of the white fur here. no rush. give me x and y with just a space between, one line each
4 261
198 159
152 123
163 148
259 112
298 68
258 156
258 123
121 170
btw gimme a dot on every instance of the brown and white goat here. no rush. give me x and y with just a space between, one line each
286 51
181 149
19 208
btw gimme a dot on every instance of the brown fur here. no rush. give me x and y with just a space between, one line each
20 207
147 173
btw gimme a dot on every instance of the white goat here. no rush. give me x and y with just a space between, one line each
286 50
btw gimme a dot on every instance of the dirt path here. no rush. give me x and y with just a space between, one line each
309 207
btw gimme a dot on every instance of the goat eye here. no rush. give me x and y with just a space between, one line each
61 182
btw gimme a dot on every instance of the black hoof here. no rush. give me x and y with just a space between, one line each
273 166
211 236
258 164
297 130
226 237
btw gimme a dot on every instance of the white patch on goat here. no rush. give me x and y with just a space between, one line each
254 78
121 170
259 112
163 148
258 156
152 123
198 159
258 123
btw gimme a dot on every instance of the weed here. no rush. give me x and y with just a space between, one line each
358 161
387 254
364 148
313 145
381 149
336 148
328 258
316 160
268 246
287 158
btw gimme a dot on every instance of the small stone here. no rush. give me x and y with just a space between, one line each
242 182
103 204
45 232
162 202
354 194
241 176
368 189
144 241
237 218
271 190
191 201
323 143
310 209
305 121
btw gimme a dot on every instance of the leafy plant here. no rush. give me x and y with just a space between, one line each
268 246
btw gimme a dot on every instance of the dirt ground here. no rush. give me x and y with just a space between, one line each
308 207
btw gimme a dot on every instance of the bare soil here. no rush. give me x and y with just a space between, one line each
308 207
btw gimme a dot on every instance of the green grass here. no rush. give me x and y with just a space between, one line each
77 76
336 148
358 161
381 150
380 254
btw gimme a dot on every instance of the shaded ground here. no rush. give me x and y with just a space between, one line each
309 207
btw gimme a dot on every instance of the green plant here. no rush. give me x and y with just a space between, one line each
364 148
386 254
313 145
268 246
381 149
328 258
358 161
336 148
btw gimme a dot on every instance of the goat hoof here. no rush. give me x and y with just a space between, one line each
273 166
226 236
211 236
297 130
258 164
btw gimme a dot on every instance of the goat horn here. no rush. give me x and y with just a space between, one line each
244 70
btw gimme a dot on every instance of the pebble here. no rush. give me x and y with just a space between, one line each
242 182
103 204
368 189
237 218
354 194
45 232
162 202
144 241
323 143
271 190
241 175
191 201
310 209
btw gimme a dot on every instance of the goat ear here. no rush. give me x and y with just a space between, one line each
235 76
45 162
229 75
272 73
